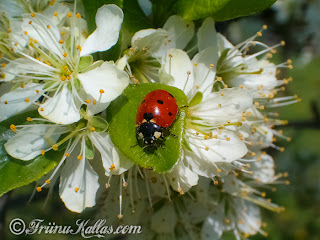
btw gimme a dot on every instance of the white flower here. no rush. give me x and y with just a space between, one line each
78 181
237 68
61 67
149 46
210 141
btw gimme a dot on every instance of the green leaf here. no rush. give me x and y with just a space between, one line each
196 99
189 9
100 124
16 173
240 8
121 116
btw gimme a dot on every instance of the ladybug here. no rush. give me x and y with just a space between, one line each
155 115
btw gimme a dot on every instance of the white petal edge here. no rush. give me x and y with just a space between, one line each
108 20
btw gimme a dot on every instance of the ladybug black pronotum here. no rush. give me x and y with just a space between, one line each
155 115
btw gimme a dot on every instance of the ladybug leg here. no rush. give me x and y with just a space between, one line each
134 145
184 106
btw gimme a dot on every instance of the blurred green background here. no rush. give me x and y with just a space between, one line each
297 22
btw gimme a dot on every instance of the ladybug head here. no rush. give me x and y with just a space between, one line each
148 134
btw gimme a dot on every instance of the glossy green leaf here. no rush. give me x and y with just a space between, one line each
121 116
240 8
16 173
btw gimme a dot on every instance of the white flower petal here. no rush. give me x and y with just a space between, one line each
178 65
212 227
262 168
182 178
46 37
78 174
205 63
30 141
218 107
180 31
62 108
164 220
108 78
19 100
207 35
109 154
248 214
210 154
108 20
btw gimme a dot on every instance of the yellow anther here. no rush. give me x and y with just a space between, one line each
101 91
170 56
283 43
13 127
263 194
87 101
246 235
47 181
206 137
287 182
188 72
228 139
251 172
25 33
94 101
112 167
196 64
261 107
67 154
6 102
68 77
55 147
264 26
76 189
207 148
257 103
29 119
48 26
259 34
38 189
51 2
241 86
78 15
62 33
219 105
65 54
78 47
219 79
218 170
92 129
225 86
227 221
79 157
222 93
3 65
60 41
63 78
211 65
33 14
30 22
27 100
266 119
69 14
289 61
282 149
42 152
290 66
285 174
215 136
41 109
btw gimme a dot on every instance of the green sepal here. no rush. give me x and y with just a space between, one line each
100 124
89 149
121 115
196 99
85 62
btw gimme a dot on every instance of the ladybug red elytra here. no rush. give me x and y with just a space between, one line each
155 114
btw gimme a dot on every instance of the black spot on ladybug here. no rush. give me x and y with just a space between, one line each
159 101
148 116
170 114
171 95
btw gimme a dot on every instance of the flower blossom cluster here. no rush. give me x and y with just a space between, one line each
217 183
